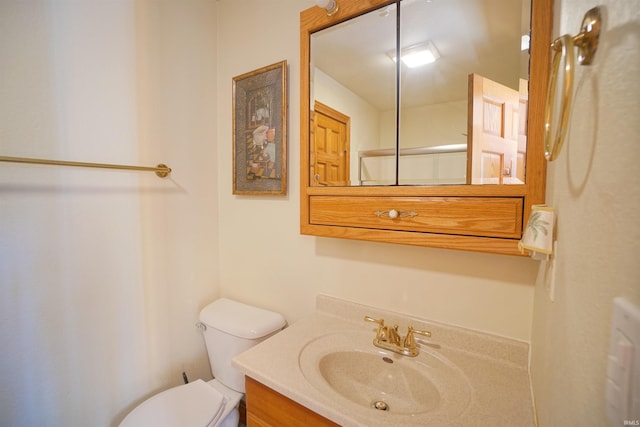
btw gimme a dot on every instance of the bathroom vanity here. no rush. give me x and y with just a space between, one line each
324 371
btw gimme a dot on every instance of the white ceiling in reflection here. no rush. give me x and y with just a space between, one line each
481 36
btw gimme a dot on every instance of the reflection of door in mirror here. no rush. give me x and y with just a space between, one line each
329 155
493 132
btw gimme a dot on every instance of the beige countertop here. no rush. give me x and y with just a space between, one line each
496 390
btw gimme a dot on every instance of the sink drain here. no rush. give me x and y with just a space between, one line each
380 405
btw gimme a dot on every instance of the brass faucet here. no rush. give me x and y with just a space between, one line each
394 337
389 339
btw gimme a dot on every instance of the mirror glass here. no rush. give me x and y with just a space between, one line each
356 83
460 119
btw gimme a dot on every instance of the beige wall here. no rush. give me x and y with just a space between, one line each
594 187
265 261
102 273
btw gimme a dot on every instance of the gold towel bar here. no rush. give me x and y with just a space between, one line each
161 170
587 43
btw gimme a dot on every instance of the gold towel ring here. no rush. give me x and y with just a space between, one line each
562 46
587 43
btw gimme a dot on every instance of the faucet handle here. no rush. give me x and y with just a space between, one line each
381 335
371 319
409 340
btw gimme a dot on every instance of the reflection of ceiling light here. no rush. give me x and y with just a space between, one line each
415 56
524 42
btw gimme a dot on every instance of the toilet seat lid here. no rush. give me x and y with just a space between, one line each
196 404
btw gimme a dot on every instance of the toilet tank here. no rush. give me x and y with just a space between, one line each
231 328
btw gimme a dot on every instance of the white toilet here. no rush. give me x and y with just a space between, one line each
229 328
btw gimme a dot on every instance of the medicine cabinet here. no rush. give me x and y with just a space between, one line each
448 154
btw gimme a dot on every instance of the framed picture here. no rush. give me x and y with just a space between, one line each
260 131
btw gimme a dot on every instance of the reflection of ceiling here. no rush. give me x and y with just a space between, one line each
481 36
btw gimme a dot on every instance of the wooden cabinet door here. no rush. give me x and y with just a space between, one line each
267 408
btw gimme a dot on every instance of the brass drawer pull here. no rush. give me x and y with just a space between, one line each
393 214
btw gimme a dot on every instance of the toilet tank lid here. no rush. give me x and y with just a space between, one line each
241 320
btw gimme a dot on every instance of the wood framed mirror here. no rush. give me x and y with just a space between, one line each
488 192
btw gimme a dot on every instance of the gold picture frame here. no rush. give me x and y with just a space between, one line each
260 131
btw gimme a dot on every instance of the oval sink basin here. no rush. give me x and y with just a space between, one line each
379 382
347 367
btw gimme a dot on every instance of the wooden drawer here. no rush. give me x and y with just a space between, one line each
471 216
